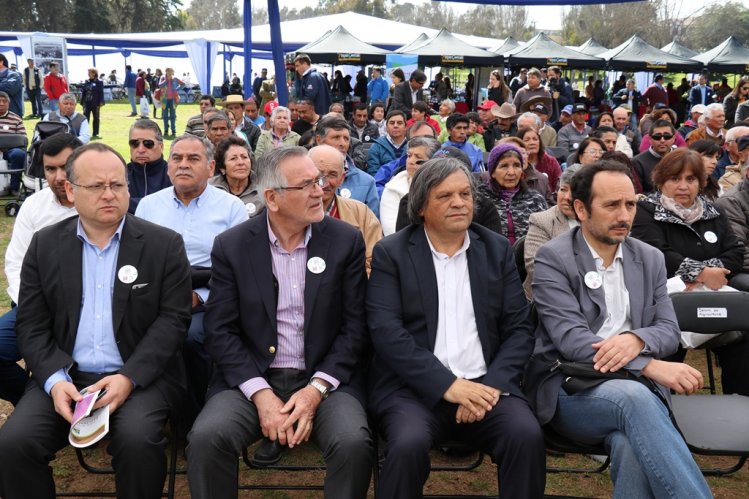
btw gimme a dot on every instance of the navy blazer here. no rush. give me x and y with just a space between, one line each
570 313
150 316
402 310
240 319
695 95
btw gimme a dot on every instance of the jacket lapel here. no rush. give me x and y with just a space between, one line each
318 246
258 249
71 273
633 280
421 259
584 262
131 247
476 255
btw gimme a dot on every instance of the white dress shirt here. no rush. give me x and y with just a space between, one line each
457 344
37 211
617 297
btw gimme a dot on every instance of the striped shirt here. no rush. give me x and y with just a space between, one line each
11 123
289 269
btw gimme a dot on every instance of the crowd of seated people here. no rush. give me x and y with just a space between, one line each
357 280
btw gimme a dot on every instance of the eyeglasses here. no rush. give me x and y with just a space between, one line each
309 185
115 187
147 143
662 136
594 152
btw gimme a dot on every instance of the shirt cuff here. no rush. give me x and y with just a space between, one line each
330 379
252 386
202 293
61 375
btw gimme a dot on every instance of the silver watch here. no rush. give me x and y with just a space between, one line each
320 387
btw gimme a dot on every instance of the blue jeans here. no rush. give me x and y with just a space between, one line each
35 96
131 98
16 161
168 113
54 105
12 376
648 456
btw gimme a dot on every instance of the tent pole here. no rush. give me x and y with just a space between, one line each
279 63
207 90
247 21
93 54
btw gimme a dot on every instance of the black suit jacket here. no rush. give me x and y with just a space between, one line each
402 309
241 311
150 316
402 98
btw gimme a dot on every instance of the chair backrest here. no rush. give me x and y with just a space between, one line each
13 141
518 250
710 312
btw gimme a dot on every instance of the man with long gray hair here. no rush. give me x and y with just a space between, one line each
449 364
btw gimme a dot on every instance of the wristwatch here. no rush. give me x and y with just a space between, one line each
320 387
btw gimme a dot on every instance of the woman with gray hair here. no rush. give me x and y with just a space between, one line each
279 134
419 150
546 225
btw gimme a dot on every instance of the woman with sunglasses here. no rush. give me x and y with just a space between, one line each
419 150
735 100
698 244
234 161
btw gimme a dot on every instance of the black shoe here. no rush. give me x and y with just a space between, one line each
132 115
267 453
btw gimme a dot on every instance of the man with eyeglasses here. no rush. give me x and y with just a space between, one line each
730 167
662 135
198 212
104 304
147 169
46 207
285 326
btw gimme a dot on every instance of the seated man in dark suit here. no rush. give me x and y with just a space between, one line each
285 327
104 303
451 330
408 92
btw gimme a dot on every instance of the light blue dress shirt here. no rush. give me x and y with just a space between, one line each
199 222
95 349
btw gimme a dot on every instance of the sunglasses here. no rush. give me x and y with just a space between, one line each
662 136
147 143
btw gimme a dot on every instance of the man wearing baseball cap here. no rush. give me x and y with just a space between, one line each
484 111
565 117
571 134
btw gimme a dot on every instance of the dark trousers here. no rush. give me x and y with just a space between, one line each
229 422
509 433
35 432
87 112
198 365
12 376
35 96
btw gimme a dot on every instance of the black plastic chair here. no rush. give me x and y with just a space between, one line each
518 250
713 425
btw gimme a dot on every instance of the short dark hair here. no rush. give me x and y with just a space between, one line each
91 146
585 143
420 106
582 186
304 58
676 162
147 124
330 122
474 116
456 118
418 76
661 124
395 112
361 106
225 144
598 132
55 144
51 64
128 67
4 60
208 97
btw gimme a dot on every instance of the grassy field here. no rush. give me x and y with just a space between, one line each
70 477
116 121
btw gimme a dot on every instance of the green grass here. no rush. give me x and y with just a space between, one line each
115 123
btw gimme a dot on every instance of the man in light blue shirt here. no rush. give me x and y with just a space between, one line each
199 212
104 304
457 128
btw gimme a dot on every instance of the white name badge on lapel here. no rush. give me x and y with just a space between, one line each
127 274
345 193
251 208
593 280
316 265
710 237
